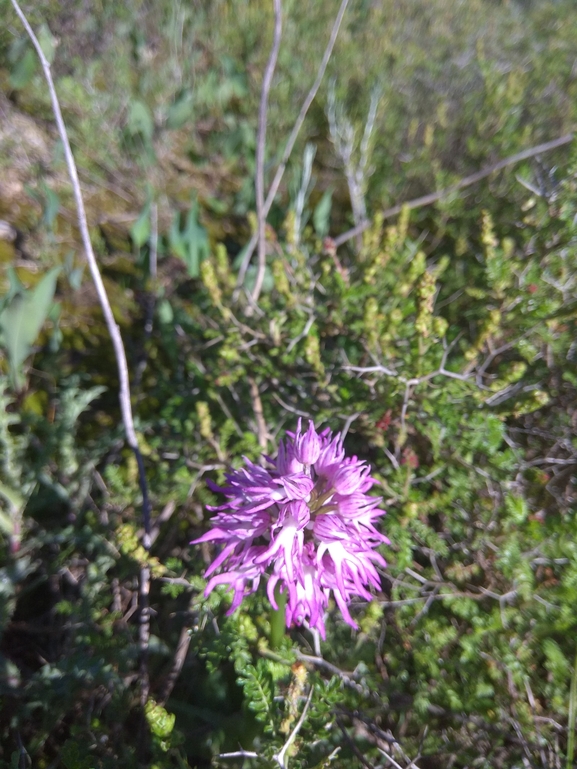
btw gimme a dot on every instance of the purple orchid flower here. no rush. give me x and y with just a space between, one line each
306 523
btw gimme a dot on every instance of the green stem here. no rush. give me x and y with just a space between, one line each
278 618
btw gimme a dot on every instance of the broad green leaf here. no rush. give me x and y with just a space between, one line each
24 70
23 317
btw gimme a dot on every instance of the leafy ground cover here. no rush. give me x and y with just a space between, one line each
441 341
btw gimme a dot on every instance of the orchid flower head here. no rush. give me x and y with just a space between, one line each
304 522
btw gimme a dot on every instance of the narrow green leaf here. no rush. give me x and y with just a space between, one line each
322 214
197 241
51 206
190 244
140 230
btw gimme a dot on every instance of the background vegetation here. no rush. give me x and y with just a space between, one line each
442 341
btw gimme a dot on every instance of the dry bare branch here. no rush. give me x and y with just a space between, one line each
293 137
262 430
467 181
261 147
280 756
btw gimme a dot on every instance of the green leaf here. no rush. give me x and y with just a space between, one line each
322 214
181 111
517 508
47 42
555 662
160 721
140 230
15 287
24 70
73 758
191 243
23 317
15 500
165 312
258 686
51 206
140 120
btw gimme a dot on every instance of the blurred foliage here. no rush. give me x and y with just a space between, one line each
443 342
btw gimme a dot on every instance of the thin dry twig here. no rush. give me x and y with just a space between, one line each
293 137
414 381
395 763
261 146
346 678
355 162
177 663
280 756
144 632
305 107
467 181
351 743
164 516
118 346
239 754
290 408
262 430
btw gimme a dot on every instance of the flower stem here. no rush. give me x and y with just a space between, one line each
277 618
